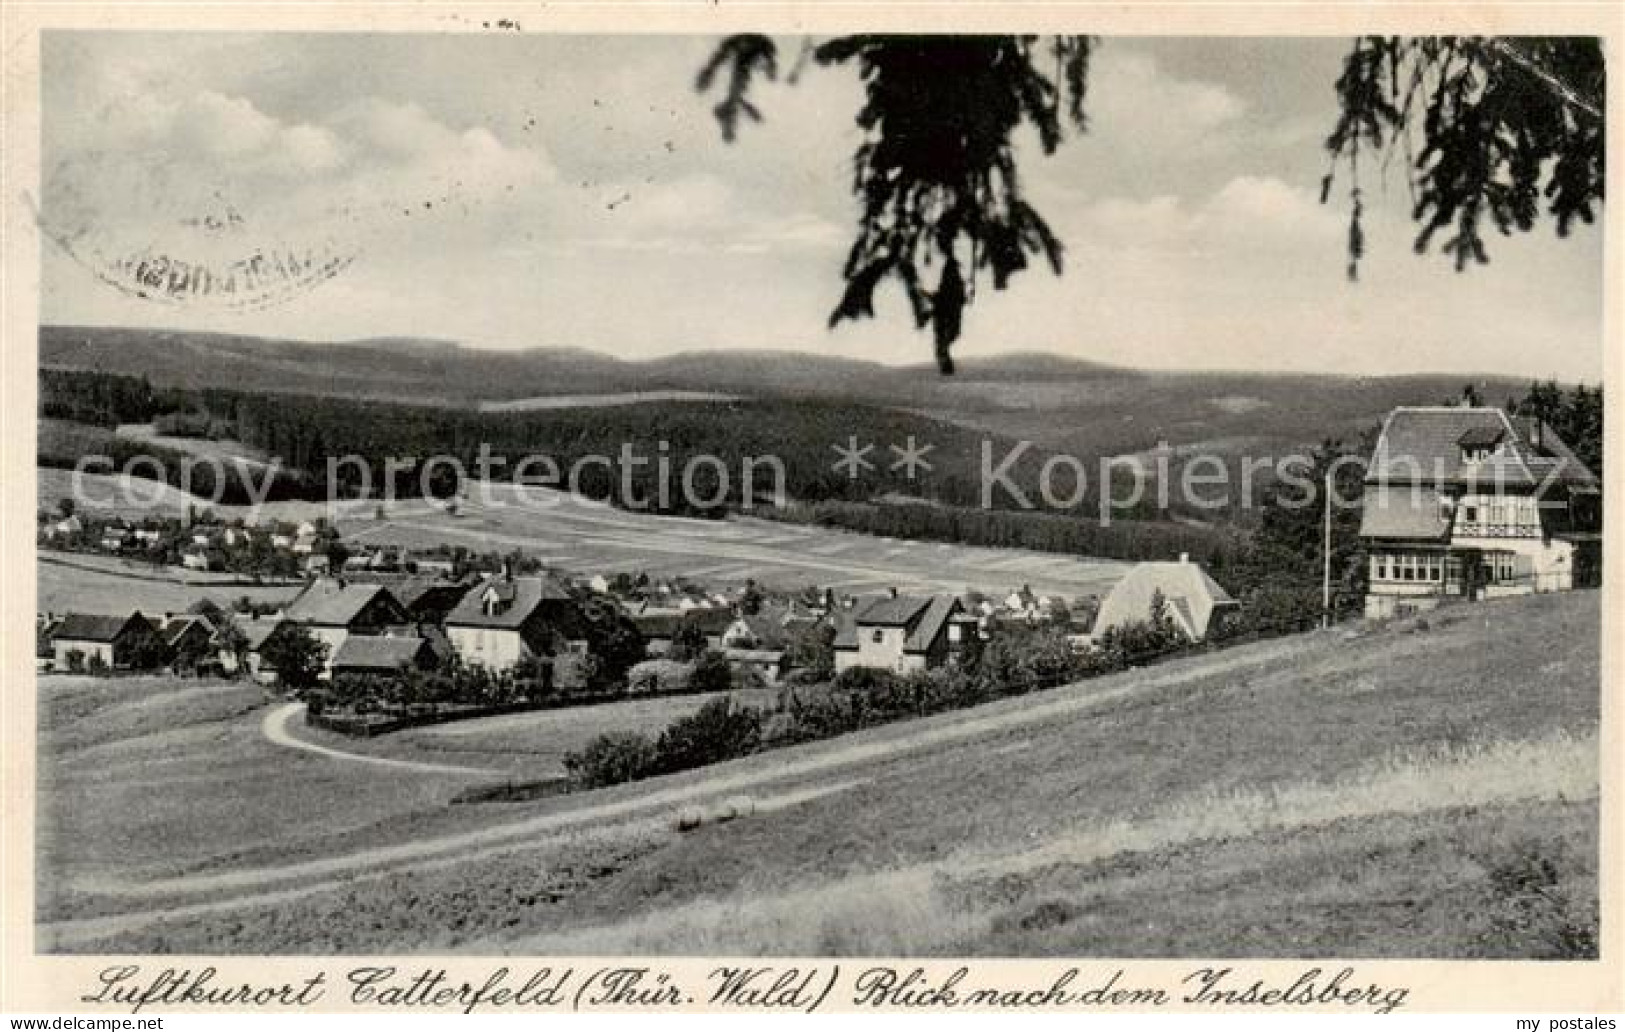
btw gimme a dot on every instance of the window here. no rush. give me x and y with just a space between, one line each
877 636
1472 514
1503 567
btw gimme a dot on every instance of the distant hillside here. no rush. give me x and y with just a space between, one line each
1081 407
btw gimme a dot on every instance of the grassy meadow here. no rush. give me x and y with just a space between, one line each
1420 788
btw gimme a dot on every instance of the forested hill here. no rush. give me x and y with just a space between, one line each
1081 407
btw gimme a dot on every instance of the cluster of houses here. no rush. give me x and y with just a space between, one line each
378 623
311 549
1460 502
194 545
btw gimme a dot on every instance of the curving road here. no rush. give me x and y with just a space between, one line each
807 772
275 729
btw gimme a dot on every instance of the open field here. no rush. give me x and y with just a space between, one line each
589 537
1372 791
532 744
160 774
579 535
219 451
75 582
562 401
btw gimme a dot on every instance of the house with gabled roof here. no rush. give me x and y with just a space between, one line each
187 636
383 655
899 633
256 633
659 625
1192 599
1474 503
332 609
504 619
121 642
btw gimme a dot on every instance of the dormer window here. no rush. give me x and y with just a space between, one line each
1480 443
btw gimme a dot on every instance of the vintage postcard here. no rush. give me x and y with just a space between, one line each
672 507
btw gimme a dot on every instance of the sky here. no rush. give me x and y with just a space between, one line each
524 190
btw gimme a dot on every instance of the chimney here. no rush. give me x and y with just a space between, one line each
1184 557
507 570
892 591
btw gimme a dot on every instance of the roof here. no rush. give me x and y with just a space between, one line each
846 629
753 655
766 628
1179 581
924 616
1424 444
378 652
91 627
175 628
1403 512
256 631
665 624
898 611
1481 437
328 602
520 598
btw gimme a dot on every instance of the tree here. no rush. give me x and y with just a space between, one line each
688 641
935 174
1489 125
616 642
1576 416
1503 122
711 673
229 638
812 648
296 655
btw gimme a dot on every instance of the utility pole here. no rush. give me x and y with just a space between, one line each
1326 555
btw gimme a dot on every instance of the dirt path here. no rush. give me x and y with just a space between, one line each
792 776
275 729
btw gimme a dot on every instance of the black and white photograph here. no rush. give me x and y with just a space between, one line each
508 493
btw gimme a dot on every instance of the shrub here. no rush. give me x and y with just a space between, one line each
611 759
864 679
717 731
296 655
97 664
76 661
711 673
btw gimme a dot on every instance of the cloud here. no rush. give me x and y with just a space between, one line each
1129 93
221 127
1261 212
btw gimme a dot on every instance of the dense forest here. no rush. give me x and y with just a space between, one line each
644 443
1120 537
1247 546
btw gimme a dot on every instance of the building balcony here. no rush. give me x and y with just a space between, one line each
1496 530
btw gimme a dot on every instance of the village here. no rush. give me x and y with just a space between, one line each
1461 503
